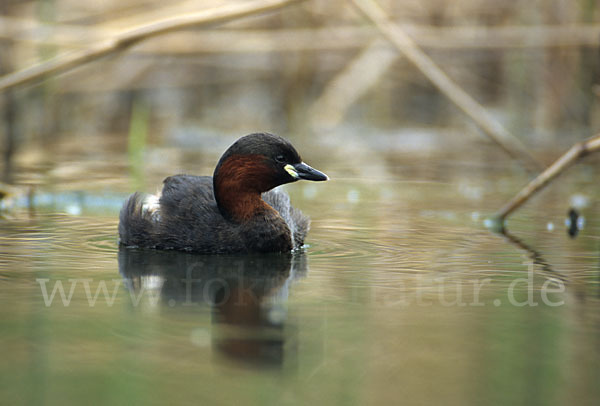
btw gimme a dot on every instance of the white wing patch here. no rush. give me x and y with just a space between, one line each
151 205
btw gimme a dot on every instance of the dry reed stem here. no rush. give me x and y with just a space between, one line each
348 85
128 38
291 40
567 159
405 45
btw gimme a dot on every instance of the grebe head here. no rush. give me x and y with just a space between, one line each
255 164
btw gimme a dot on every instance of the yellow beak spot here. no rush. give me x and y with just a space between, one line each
290 169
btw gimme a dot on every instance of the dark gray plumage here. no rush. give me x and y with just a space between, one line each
188 218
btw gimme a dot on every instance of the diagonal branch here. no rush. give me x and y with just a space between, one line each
350 84
128 38
405 45
567 159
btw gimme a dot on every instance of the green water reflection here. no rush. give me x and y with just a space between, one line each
401 297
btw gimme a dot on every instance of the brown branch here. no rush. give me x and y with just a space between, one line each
405 45
128 38
567 159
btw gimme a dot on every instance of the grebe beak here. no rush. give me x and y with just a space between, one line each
303 171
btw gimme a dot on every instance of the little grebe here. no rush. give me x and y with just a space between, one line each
234 211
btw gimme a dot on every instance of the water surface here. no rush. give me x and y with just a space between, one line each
401 296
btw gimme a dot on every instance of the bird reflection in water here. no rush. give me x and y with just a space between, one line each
247 294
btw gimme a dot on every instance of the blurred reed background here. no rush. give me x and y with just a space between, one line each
315 69
412 182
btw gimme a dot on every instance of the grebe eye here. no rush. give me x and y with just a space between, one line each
280 158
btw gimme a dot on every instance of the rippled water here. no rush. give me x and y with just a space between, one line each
402 296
